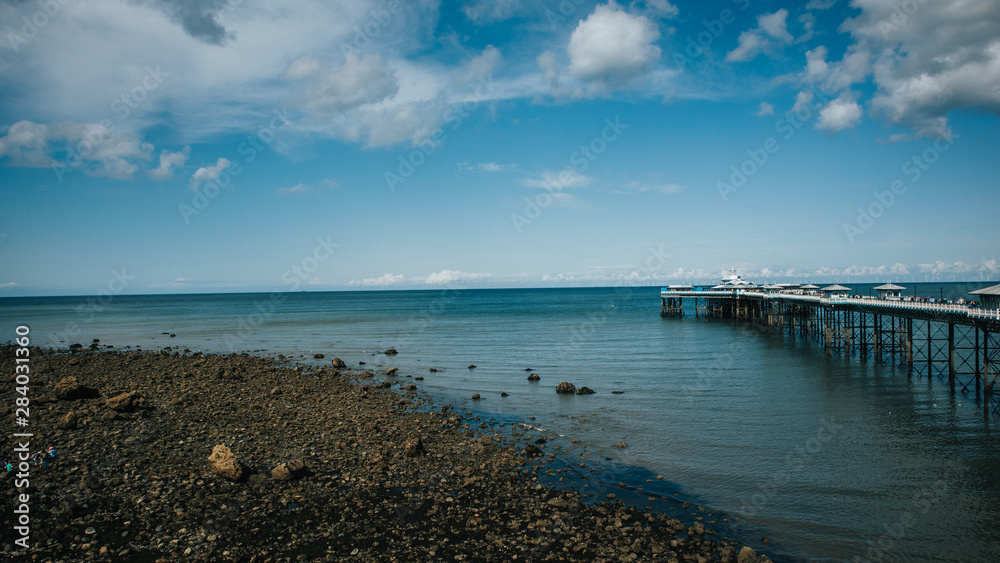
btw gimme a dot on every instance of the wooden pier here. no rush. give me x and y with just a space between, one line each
959 342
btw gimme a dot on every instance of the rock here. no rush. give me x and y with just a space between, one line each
69 389
533 377
127 402
223 462
75 347
289 471
434 370
391 352
418 378
318 356
392 371
504 395
383 385
566 387
557 502
472 366
475 396
621 445
532 450
585 391
617 392
746 555
68 422
413 448
410 387
338 363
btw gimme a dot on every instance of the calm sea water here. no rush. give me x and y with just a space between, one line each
829 458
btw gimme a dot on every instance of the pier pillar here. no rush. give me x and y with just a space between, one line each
951 354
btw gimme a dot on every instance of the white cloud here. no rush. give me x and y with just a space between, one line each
765 109
383 281
445 277
771 29
91 147
296 189
357 82
660 188
169 161
555 181
489 11
611 47
208 174
662 8
8 285
837 115
820 4
802 100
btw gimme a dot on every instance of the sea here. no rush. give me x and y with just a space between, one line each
762 437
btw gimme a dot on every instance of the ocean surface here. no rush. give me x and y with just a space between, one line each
829 459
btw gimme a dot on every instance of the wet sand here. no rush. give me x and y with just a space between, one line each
320 471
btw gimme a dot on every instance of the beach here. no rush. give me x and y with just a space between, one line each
318 463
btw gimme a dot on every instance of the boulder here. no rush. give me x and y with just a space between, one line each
475 396
391 352
223 462
621 445
68 422
383 385
318 356
410 387
533 377
472 366
566 387
392 371
69 389
746 555
289 471
585 391
338 363
127 402
413 448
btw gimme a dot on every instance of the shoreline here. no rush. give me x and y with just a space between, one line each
385 478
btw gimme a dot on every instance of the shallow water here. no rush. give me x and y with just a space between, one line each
829 458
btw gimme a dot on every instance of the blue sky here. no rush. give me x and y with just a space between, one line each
176 146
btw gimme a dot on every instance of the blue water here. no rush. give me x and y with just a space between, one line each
829 458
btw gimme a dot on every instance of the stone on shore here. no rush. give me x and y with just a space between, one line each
585 391
222 462
69 389
414 448
391 352
127 402
289 471
566 387
338 363
68 421
318 356
391 371
621 445
533 377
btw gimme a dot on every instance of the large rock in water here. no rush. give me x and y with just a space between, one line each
566 387
338 363
127 402
533 377
69 389
585 391
223 462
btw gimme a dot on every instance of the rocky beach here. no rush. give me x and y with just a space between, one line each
180 456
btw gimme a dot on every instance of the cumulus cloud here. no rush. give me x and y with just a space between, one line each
926 63
208 174
611 46
359 81
199 18
771 30
92 147
169 161
765 109
837 115
382 281
445 277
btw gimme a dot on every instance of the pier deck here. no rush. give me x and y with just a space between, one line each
953 340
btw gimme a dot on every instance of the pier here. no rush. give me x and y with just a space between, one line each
957 341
